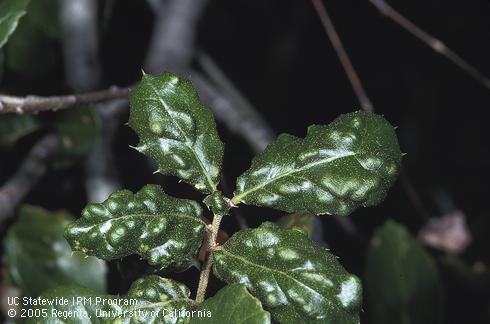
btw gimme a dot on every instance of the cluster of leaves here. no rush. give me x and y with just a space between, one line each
278 272
273 273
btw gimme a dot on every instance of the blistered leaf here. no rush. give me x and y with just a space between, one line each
296 280
176 130
302 219
351 162
164 230
13 127
150 299
38 257
161 295
78 131
10 13
232 304
402 281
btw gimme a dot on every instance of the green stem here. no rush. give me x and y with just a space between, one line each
206 268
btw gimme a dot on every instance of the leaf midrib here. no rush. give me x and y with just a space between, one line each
201 165
239 198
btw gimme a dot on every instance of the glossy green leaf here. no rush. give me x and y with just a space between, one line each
10 13
38 257
164 230
302 219
232 304
351 162
402 281
78 131
296 280
13 127
176 130
150 299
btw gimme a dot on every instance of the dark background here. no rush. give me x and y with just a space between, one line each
278 55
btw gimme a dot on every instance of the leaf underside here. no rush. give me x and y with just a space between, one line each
164 230
150 299
296 280
176 130
335 169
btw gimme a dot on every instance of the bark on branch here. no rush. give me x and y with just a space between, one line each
34 104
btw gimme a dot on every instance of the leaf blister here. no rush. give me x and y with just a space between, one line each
335 169
165 230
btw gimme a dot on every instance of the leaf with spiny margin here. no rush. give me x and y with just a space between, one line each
176 130
10 13
162 229
296 280
13 127
38 257
402 281
232 304
301 219
351 162
146 295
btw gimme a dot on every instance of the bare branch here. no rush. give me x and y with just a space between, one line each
34 104
27 176
434 43
351 73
